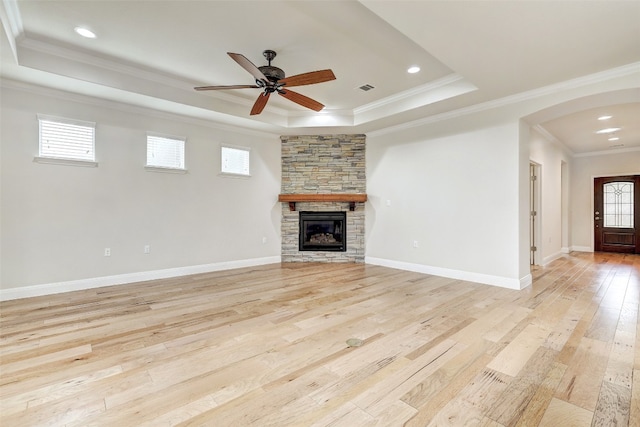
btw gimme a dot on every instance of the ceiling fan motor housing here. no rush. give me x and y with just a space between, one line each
272 73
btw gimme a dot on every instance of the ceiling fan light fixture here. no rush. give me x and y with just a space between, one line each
413 69
85 32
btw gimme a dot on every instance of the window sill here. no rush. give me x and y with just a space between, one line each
233 175
65 162
164 170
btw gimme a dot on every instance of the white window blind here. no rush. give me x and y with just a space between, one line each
235 160
67 139
164 152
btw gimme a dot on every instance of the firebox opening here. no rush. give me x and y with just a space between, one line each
323 231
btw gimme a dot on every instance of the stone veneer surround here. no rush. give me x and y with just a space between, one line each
323 164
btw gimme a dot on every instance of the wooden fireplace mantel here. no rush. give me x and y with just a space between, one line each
352 199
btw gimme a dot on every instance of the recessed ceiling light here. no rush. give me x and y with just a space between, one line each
608 130
413 69
85 32
614 138
604 117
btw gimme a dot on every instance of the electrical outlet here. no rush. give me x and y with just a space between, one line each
415 243
388 203
107 251
147 249
264 240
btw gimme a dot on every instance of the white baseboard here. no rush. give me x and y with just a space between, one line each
549 259
565 250
503 282
120 279
582 248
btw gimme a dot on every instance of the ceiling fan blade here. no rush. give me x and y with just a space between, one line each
301 99
308 78
226 87
247 65
260 103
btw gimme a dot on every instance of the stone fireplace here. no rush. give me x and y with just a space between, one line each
323 174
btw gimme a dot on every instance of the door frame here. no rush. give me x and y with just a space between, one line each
565 206
535 222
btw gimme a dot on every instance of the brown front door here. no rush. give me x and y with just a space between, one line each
617 214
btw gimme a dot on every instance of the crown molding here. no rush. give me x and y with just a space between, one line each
549 136
623 71
114 65
83 57
210 122
12 23
410 93
11 18
49 56
439 90
610 152
141 81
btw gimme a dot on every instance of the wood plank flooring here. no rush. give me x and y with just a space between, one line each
267 346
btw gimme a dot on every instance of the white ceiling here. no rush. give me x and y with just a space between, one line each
152 53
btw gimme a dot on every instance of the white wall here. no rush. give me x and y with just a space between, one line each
583 170
56 220
457 195
550 218
456 182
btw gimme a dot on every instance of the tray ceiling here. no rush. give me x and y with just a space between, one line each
152 53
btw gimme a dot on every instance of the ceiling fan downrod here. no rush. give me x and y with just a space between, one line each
269 54
272 73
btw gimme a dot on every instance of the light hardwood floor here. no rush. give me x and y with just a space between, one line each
267 346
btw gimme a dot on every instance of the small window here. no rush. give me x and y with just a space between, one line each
66 139
165 152
235 161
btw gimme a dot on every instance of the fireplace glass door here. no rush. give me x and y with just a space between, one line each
323 231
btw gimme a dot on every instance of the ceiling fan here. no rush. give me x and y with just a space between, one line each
272 79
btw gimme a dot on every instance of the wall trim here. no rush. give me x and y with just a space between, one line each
121 279
582 248
419 90
611 151
549 259
561 145
578 82
12 22
503 282
129 107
